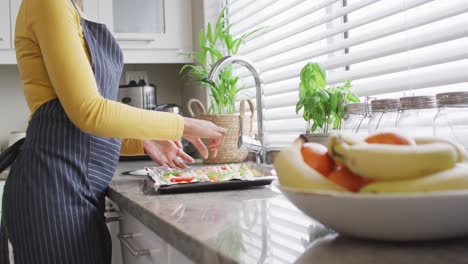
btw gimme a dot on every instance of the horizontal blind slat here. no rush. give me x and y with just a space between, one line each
250 12
256 20
347 43
298 15
455 51
334 31
234 6
450 73
320 21
445 33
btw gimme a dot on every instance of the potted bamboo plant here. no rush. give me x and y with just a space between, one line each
217 42
322 107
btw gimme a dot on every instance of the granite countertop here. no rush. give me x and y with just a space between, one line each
4 175
260 226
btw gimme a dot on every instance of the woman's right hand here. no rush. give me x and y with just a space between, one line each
196 129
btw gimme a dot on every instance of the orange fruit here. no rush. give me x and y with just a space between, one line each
316 156
344 177
389 138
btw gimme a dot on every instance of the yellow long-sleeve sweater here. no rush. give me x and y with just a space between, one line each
53 61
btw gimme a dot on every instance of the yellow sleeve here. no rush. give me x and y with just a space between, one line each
132 147
54 26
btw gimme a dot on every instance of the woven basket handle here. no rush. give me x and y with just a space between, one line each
242 112
200 108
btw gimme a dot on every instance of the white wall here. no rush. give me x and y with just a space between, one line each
14 112
198 22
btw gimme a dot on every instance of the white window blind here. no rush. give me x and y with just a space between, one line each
385 47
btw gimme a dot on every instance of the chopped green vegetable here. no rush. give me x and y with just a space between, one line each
173 173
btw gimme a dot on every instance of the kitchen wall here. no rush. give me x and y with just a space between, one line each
14 111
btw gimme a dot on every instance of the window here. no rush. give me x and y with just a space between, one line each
387 48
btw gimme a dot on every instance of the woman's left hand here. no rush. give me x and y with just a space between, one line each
167 153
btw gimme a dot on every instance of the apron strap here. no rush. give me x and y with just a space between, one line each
10 154
76 8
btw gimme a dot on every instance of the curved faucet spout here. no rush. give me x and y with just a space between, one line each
229 60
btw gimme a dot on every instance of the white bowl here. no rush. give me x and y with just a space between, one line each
409 217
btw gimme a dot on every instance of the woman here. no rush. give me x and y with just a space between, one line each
54 196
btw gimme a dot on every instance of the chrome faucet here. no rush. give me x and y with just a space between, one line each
256 144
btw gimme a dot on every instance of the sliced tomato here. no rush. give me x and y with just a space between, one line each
180 179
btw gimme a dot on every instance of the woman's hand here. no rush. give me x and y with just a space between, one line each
196 129
167 153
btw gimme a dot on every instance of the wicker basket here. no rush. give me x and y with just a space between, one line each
229 151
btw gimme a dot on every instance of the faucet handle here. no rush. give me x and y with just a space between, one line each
248 142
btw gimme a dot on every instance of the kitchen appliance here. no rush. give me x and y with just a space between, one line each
141 94
171 108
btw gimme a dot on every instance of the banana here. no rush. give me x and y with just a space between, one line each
393 162
294 172
461 151
452 179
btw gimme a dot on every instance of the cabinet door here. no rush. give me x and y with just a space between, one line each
14 9
152 24
2 185
139 237
5 30
91 9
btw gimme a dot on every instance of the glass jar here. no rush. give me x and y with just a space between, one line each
451 121
417 115
384 115
355 119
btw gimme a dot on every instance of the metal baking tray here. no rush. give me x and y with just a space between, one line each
266 178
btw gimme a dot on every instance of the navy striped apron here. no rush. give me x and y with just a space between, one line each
53 202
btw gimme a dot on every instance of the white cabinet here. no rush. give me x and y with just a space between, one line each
140 245
148 31
2 185
5 30
14 9
8 12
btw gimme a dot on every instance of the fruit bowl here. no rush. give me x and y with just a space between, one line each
391 217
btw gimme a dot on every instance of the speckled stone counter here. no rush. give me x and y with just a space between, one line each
260 226
4 175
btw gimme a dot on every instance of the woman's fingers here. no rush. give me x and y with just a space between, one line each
200 147
180 164
185 157
171 164
161 160
217 132
178 144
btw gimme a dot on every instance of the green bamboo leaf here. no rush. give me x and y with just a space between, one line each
314 127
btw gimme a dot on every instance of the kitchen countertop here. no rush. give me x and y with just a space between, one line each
260 226
4 175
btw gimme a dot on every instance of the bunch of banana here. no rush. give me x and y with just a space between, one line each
452 179
294 172
431 164
393 162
